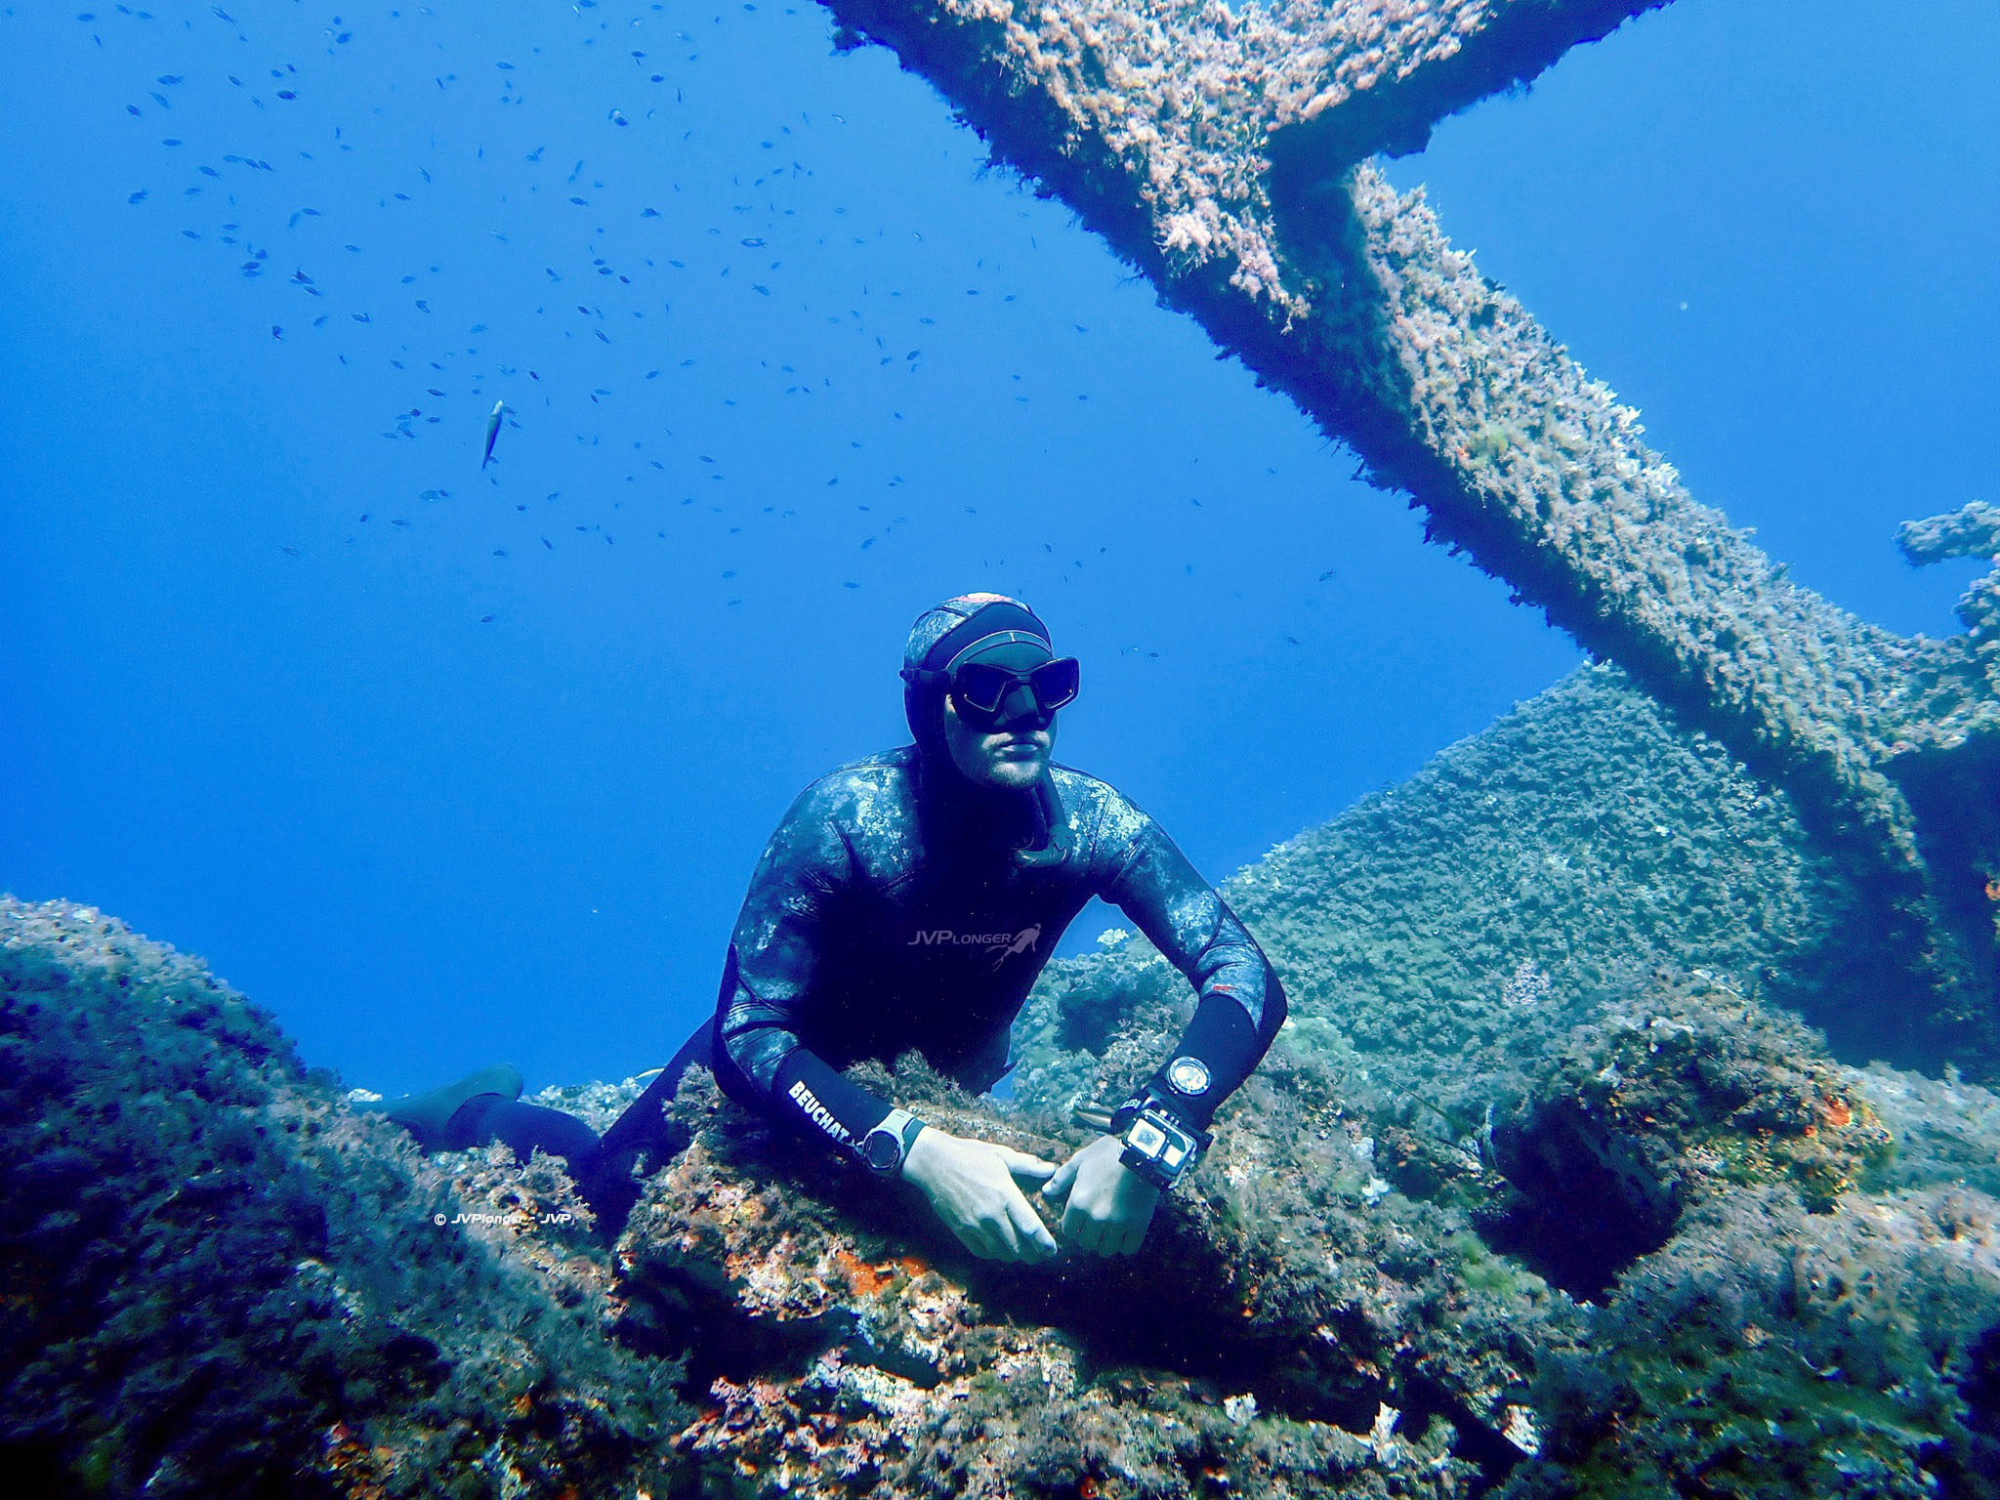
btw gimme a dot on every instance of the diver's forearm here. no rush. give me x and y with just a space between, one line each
809 1093
1215 1053
1222 1045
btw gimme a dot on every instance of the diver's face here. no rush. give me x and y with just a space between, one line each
1011 757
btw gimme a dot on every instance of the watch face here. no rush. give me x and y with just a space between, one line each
1189 1075
881 1150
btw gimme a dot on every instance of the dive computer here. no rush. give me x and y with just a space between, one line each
884 1147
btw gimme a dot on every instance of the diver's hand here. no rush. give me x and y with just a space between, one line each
971 1185
1109 1205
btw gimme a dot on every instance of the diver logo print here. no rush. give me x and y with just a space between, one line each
946 937
1024 942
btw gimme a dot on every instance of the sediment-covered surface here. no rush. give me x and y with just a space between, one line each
1540 1193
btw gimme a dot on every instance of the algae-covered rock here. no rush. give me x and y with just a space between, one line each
1313 1318
1553 861
1658 1103
1945 1129
219 1280
1537 1188
1258 1346
1773 1351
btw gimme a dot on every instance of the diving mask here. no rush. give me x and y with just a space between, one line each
994 692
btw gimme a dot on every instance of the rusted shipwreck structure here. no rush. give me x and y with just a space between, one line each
1225 152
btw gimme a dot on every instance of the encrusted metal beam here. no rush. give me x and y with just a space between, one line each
1223 152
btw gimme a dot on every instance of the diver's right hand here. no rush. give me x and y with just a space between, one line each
971 1185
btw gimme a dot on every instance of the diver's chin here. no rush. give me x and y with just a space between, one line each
1015 769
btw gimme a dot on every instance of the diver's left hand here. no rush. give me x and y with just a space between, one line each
1109 1205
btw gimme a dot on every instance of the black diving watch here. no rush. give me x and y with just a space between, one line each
884 1147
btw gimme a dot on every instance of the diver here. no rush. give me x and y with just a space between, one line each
907 901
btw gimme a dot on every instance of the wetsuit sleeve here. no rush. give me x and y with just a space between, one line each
779 937
1239 1003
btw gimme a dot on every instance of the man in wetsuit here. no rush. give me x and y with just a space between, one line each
908 901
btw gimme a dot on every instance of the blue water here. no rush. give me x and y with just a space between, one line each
437 805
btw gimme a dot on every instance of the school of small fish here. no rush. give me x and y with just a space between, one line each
578 239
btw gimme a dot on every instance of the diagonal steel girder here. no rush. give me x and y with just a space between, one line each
1224 152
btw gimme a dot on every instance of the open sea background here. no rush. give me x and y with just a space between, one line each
446 766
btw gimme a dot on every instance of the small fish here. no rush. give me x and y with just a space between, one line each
492 432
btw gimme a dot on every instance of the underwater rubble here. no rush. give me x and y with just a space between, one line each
1543 1191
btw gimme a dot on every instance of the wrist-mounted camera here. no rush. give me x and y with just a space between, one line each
1158 1145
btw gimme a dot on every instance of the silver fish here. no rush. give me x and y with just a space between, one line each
492 432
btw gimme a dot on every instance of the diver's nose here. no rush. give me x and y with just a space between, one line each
1021 709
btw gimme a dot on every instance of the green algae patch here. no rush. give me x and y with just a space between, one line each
1776 1352
221 1281
1687 1090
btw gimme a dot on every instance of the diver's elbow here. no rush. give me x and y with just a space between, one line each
1276 1007
734 1077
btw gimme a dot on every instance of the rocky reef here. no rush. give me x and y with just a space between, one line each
1542 1192
1970 531
1223 152
217 1280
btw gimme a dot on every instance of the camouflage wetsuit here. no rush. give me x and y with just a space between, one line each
885 916
902 905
